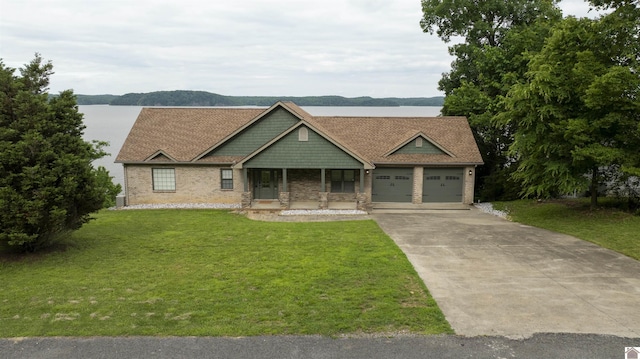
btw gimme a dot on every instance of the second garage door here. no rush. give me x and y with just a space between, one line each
392 185
442 185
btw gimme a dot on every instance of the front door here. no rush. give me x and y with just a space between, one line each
265 184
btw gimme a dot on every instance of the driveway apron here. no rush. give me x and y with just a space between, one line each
491 276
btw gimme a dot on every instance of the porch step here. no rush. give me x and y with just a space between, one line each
265 205
275 205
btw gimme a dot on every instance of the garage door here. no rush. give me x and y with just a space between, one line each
392 185
442 185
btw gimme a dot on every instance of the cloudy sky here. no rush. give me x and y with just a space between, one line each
231 47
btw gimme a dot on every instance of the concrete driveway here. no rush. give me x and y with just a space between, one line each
495 277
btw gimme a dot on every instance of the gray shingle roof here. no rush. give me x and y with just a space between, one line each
185 133
374 137
182 133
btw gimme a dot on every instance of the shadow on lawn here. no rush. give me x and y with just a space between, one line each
16 254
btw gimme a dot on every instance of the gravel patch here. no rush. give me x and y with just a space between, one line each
324 212
487 207
184 206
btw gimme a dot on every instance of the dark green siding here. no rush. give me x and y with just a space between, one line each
427 148
258 134
317 152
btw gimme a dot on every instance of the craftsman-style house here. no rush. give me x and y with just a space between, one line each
283 154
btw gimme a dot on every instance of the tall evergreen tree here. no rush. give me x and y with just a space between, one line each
47 183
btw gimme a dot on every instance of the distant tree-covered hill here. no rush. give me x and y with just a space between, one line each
203 98
95 99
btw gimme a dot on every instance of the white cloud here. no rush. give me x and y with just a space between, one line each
249 47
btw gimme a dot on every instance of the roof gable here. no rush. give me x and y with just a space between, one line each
419 144
269 124
317 151
160 156
255 135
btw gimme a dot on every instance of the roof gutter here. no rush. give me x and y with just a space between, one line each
452 164
176 163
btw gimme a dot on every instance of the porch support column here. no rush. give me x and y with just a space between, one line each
245 176
246 195
323 186
284 180
283 196
361 180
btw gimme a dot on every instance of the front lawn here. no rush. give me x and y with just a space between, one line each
215 273
605 226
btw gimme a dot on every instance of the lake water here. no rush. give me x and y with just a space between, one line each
113 123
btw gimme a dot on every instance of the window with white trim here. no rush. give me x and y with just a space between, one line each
226 178
343 181
164 179
419 142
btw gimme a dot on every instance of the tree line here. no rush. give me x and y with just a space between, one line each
553 101
203 98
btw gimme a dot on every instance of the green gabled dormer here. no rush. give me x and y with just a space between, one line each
256 134
419 144
303 147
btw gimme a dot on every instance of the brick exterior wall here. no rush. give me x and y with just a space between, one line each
418 178
194 184
303 185
368 183
201 184
469 185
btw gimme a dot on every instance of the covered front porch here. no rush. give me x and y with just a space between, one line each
278 189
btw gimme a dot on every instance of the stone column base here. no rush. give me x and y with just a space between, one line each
363 203
324 200
246 200
284 200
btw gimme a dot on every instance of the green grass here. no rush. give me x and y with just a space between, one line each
605 226
215 273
